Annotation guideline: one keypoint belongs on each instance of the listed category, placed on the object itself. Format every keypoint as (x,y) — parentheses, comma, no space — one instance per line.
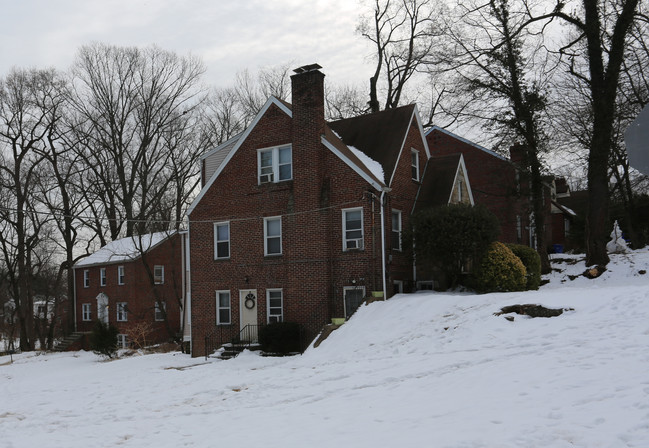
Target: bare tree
(27,115)
(504,74)
(403,33)
(595,54)
(129,105)
(252,92)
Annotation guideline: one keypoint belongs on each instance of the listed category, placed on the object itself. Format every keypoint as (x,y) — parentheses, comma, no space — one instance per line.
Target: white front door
(248,311)
(102,308)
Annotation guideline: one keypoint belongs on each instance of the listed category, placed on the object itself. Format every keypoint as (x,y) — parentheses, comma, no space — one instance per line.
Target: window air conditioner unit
(264,178)
(355,243)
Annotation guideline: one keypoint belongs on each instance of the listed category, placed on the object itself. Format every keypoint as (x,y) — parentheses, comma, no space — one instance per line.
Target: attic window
(275,164)
(414,154)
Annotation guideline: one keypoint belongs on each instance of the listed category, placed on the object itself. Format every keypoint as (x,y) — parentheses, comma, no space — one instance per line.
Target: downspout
(74,305)
(382,200)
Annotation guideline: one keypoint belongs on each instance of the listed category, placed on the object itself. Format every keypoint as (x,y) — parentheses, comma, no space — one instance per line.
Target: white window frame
(86,278)
(398,231)
(273,176)
(422,283)
(102,276)
(218,256)
(122,341)
(414,164)
(220,308)
(277,317)
(120,275)
(268,237)
(159,279)
(86,312)
(359,242)
(158,316)
(122,314)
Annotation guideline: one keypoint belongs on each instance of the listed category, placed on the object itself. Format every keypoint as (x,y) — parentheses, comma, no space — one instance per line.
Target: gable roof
(381,135)
(468,142)
(125,249)
(440,176)
(347,155)
(239,141)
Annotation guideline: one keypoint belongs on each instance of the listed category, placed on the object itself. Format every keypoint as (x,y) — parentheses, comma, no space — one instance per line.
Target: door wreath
(249,302)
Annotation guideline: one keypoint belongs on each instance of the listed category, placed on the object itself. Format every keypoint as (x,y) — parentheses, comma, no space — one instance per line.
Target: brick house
(134,283)
(299,219)
(495,181)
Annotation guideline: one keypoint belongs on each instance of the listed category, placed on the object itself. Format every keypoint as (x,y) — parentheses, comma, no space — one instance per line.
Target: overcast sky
(229,35)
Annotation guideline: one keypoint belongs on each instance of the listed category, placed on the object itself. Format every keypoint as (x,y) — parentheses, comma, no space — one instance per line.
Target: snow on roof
(128,249)
(372,165)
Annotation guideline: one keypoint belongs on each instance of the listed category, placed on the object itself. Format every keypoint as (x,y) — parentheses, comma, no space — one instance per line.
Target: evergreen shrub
(451,238)
(103,339)
(532,262)
(500,270)
(280,337)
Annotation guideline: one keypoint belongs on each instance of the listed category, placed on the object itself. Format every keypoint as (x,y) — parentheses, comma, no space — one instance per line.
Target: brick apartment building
(130,282)
(300,220)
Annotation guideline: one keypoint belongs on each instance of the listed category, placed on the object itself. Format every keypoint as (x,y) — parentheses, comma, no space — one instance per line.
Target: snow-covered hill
(419,370)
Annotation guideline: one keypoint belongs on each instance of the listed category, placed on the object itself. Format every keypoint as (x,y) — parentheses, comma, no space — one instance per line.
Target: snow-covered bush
(532,262)
(500,270)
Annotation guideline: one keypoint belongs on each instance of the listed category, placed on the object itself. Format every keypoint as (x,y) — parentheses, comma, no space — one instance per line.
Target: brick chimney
(307,89)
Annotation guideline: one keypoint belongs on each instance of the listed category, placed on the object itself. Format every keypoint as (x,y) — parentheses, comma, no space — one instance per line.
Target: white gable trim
(272,100)
(222,145)
(462,166)
(351,164)
(415,116)
(468,142)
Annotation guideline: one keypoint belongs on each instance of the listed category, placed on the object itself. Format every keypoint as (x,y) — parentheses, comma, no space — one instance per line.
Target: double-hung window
(86,312)
(273,236)
(223,308)
(102,276)
(122,341)
(86,278)
(160,308)
(221,240)
(120,275)
(121,312)
(275,305)
(158,274)
(414,154)
(353,228)
(275,164)
(396,230)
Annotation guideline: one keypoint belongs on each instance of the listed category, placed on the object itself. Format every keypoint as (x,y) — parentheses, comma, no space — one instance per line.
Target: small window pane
(223,232)
(274,246)
(273,227)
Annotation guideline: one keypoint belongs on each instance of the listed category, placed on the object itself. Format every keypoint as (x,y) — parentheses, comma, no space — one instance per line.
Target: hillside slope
(418,370)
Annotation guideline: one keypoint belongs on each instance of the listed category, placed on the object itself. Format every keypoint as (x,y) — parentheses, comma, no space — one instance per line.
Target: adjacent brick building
(133,282)
(299,219)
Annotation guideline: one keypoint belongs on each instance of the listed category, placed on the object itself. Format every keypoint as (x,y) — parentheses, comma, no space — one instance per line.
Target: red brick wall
(493,184)
(136,291)
(313,268)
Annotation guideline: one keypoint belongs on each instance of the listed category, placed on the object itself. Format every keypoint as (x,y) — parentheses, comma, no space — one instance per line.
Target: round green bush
(532,262)
(500,270)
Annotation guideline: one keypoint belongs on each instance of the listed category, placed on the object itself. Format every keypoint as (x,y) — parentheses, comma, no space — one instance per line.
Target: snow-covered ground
(420,370)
